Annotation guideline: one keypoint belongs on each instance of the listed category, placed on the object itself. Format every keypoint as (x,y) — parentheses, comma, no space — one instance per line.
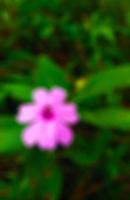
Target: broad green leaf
(78,151)
(81,158)
(10,136)
(108,118)
(104,82)
(48,73)
(94,149)
(18,91)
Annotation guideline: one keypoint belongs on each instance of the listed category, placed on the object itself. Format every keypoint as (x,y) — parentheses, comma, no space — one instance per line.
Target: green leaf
(2,95)
(108,118)
(91,153)
(48,74)
(18,91)
(10,135)
(46,173)
(52,183)
(112,170)
(19,55)
(104,82)
(114,160)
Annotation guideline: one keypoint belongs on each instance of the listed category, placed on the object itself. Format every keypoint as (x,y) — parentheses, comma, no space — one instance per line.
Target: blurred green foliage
(82,46)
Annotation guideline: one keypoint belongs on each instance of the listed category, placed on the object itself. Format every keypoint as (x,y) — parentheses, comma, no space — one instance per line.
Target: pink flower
(49,118)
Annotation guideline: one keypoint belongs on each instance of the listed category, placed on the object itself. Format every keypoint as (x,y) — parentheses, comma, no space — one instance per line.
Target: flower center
(48,113)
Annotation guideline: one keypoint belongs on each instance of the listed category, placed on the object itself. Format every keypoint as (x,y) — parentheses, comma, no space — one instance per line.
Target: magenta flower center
(48,113)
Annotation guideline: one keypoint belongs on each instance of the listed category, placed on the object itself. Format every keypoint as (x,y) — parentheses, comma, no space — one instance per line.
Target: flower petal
(58,95)
(26,113)
(67,113)
(30,134)
(40,96)
(65,135)
(48,138)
